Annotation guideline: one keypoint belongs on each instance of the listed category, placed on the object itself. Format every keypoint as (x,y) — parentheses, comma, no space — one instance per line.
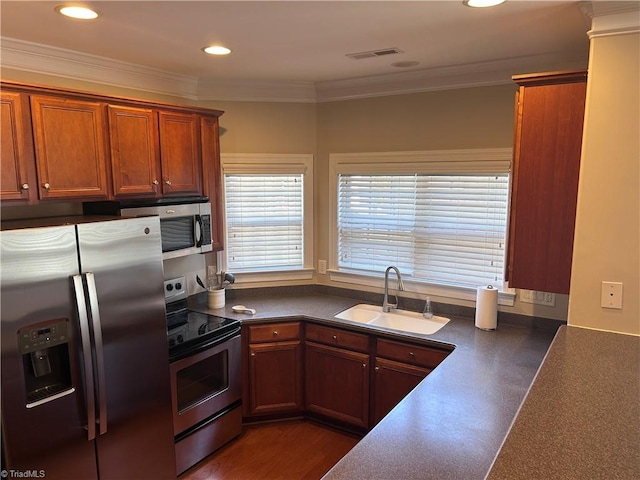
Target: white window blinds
(264,221)
(441,229)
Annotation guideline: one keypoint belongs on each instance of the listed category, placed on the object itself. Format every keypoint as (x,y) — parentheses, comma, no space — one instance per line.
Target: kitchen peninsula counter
(453,424)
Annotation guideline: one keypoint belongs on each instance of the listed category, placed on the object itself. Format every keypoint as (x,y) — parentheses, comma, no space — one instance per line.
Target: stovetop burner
(189,331)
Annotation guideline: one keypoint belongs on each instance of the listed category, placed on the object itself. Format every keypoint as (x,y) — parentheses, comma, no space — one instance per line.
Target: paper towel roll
(487,308)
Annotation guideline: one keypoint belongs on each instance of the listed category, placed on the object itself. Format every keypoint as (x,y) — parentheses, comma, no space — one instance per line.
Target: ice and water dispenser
(45,358)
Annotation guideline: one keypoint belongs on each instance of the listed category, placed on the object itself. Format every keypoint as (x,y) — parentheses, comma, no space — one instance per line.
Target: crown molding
(612,18)
(256,91)
(496,72)
(44,59)
(64,63)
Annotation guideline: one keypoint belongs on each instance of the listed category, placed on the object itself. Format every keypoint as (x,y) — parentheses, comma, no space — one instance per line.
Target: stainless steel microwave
(185,229)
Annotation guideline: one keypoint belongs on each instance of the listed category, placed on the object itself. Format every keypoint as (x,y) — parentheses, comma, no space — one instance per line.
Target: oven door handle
(222,339)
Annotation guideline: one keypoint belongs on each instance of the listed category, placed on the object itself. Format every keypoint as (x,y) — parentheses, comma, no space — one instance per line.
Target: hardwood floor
(288,450)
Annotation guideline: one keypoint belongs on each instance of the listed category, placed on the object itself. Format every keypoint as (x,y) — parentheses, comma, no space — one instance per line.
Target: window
(267,217)
(440,217)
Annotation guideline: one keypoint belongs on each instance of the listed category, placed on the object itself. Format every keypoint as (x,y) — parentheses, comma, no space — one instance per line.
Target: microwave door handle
(199,230)
(97,335)
(86,356)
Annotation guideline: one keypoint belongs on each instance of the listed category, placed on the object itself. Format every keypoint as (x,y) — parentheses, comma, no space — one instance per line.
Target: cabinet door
(71,148)
(212,177)
(275,376)
(180,154)
(337,383)
(17,161)
(135,151)
(392,382)
(545,183)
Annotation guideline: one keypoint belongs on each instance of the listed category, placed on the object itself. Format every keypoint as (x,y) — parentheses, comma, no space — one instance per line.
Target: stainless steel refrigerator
(85,369)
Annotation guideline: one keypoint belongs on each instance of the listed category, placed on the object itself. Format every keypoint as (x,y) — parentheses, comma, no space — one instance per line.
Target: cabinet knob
(46,186)
(335,337)
(377,369)
(411,354)
(25,186)
(156,182)
(275,333)
(364,365)
(168,182)
(253,354)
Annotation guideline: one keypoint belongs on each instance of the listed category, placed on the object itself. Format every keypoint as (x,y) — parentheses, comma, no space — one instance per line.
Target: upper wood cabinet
(93,147)
(135,151)
(71,148)
(212,176)
(180,153)
(548,139)
(17,161)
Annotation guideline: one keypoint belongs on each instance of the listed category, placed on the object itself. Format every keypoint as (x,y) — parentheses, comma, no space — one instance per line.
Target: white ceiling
(302,44)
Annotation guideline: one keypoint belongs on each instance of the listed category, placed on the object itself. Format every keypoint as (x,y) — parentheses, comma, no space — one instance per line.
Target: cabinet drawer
(273,332)
(338,337)
(408,353)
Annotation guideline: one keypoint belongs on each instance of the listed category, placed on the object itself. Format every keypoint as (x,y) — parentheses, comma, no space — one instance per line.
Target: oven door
(206,382)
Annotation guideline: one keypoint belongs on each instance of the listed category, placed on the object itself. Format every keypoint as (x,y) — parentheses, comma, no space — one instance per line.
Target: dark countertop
(453,424)
(581,418)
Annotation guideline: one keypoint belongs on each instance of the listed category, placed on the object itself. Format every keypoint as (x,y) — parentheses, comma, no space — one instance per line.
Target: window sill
(506,298)
(273,276)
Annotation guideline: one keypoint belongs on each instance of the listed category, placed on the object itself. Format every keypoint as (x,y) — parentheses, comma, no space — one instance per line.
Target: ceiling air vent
(374,53)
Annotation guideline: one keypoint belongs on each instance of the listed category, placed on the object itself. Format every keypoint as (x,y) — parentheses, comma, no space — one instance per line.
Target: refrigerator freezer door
(122,264)
(51,437)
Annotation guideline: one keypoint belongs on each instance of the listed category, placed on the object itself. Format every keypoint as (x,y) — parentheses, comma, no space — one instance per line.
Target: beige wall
(479,117)
(607,236)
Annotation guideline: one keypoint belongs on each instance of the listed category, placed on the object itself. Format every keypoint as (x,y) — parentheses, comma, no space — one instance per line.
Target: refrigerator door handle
(86,356)
(97,336)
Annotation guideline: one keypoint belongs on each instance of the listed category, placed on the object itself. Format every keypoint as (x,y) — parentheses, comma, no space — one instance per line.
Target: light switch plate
(611,295)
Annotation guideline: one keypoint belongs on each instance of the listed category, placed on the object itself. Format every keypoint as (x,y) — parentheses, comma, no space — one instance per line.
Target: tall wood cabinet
(18,181)
(547,148)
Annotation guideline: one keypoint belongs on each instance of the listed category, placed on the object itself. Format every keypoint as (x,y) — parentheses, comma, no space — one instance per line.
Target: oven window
(202,380)
(177,233)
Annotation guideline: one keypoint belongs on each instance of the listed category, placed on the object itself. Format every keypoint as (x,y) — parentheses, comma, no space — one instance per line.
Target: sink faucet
(386,306)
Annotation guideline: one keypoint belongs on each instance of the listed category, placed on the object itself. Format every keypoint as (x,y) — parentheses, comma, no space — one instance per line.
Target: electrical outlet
(322,267)
(611,295)
(538,298)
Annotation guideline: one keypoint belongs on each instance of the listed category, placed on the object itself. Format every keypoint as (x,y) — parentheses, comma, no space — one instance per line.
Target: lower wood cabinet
(393,381)
(274,369)
(329,375)
(337,383)
(399,368)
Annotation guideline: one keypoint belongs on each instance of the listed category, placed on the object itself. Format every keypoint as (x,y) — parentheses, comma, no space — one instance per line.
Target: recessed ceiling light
(482,3)
(216,50)
(405,64)
(74,11)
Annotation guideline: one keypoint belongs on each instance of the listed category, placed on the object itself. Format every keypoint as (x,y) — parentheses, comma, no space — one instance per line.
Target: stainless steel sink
(402,320)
